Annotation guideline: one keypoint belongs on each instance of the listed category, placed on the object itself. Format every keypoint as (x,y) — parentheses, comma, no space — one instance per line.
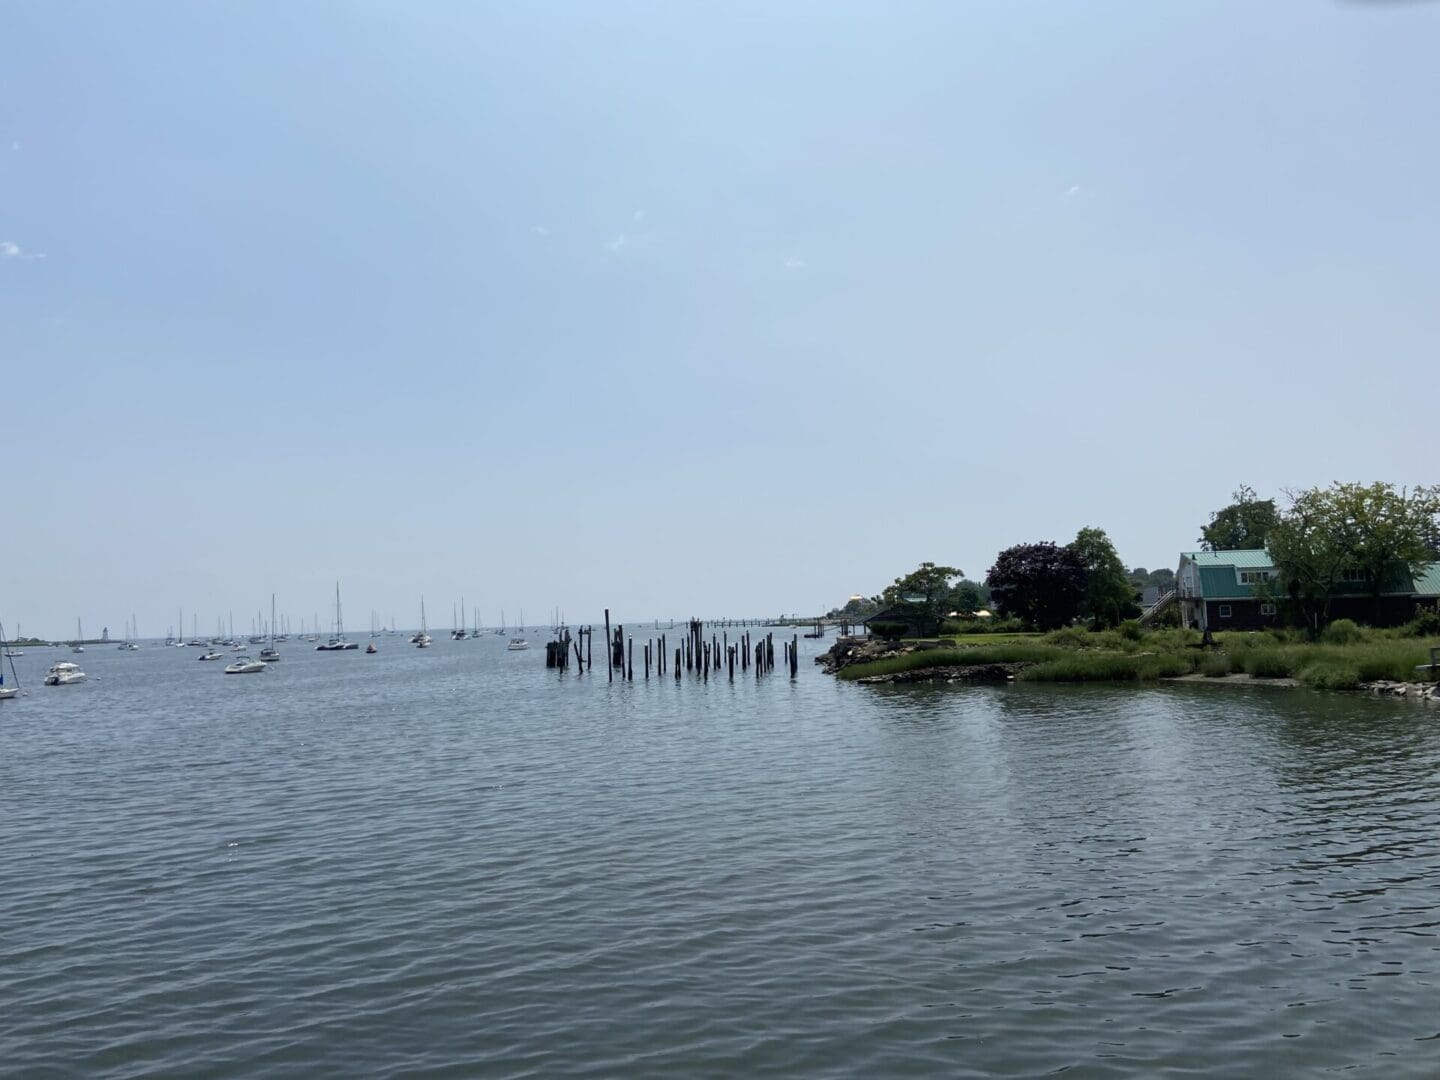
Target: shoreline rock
(967,673)
(859,650)
(1414,691)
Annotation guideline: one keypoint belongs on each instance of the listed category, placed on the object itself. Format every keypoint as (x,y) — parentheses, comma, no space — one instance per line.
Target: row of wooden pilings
(694,653)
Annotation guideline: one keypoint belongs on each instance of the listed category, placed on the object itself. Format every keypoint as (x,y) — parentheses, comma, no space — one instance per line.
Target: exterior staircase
(1167,598)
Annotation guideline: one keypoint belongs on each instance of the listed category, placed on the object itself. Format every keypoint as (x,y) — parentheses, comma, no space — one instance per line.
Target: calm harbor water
(454,862)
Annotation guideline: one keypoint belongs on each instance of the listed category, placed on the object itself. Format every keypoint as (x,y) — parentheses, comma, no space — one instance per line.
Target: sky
(685,309)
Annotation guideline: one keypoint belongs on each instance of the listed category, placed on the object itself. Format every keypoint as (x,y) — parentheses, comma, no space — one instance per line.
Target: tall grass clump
(1342,632)
(1070,637)
(1109,667)
(1173,639)
(1392,660)
(1215,665)
(1078,637)
(1267,663)
(1331,675)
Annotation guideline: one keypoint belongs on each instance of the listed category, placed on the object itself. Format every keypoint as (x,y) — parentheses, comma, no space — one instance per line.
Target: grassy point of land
(1346,657)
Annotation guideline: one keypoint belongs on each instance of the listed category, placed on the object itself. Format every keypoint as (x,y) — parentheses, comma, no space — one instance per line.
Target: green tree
(1042,584)
(967,598)
(1244,524)
(929,584)
(1328,534)
(1109,596)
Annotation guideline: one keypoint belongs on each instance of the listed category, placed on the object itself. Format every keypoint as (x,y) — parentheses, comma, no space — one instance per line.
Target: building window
(1353,577)
(1267,609)
(1254,577)
(1224,611)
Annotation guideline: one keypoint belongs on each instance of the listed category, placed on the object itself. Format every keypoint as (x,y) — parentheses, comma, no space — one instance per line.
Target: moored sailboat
(7,692)
(270,654)
(338,641)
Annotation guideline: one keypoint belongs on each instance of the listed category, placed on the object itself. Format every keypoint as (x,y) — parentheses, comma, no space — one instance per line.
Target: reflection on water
(455,860)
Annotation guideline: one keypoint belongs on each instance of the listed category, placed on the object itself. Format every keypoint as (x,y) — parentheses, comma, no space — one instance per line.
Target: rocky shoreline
(1428,692)
(856,650)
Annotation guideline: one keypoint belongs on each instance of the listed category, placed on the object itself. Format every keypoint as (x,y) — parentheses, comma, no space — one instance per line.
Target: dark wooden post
(609,665)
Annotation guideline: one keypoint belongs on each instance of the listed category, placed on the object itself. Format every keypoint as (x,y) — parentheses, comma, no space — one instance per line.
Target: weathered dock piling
(698,653)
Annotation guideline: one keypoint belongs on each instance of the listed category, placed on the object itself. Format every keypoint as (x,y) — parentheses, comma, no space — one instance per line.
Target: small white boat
(7,692)
(63,673)
(211,655)
(517,643)
(243,665)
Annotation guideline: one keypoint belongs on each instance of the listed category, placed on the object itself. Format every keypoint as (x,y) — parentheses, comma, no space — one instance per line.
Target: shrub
(956,627)
(1071,637)
(1426,622)
(1342,632)
(1131,630)
(1331,675)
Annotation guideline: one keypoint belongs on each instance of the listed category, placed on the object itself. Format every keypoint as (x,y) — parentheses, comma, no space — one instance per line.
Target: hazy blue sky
(685,308)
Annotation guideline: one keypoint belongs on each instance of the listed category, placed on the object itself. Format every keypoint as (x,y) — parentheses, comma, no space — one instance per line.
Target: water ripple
(455,863)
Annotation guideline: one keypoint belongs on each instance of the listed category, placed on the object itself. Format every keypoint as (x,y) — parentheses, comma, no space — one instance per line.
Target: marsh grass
(1110,667)
(1354,655)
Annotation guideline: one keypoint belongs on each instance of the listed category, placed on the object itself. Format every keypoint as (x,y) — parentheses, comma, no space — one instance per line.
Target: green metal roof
(1249,559)
(1220,583)
(1427,579)
(1219,579)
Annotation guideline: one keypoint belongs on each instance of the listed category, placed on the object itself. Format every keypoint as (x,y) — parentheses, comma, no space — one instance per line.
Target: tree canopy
(1109,596)
(1041,583)
(1244,524)
(931,582)
(1334,534)
(967,598)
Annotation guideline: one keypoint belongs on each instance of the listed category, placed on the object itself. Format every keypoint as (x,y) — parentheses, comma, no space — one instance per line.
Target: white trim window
(1254,577)
(1267,609)
(1224,611)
